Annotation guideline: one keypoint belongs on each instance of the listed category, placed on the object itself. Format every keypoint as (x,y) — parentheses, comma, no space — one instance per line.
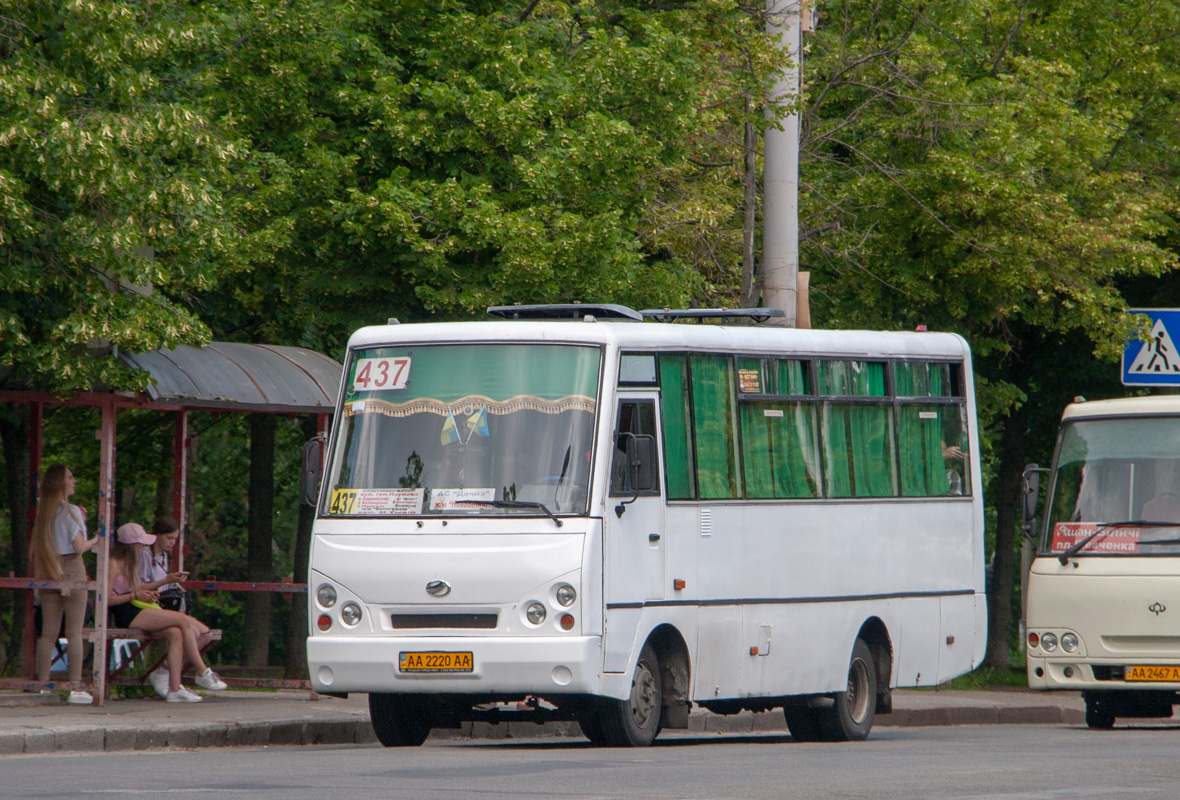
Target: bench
(142,639)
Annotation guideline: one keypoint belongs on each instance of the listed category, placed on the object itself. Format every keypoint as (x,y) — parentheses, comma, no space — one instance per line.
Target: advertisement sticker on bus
(1113,540)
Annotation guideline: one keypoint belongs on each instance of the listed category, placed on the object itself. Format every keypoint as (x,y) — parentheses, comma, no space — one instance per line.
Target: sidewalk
(44,724)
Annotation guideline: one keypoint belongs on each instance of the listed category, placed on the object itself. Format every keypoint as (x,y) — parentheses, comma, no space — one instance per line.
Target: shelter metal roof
(244,377)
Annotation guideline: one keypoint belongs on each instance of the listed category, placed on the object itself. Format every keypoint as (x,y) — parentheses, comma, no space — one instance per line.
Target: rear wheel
(634,722)
(399,720)
(850,716)
(802,721)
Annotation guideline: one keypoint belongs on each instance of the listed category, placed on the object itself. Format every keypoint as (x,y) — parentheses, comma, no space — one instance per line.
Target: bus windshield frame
(465,429)
(1115,488)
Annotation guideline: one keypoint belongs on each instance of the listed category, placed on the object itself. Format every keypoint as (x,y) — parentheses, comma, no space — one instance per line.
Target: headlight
(566,595)
(351,613)
(1049,642)
(1069,642)
(536,613)
(326,595)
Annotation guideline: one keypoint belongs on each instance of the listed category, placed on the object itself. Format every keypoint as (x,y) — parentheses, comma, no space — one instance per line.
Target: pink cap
(133,533)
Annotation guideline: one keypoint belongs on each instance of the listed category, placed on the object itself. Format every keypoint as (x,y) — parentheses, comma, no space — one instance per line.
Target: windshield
(1117,481)
(486,429)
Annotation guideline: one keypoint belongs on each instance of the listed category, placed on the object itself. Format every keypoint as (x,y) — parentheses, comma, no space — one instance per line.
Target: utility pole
(780,176)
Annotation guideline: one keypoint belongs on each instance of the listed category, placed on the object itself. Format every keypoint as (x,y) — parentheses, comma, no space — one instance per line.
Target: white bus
(1104,587)
(609,520)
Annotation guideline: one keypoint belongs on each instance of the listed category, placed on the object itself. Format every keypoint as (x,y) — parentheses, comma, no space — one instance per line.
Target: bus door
(634,526)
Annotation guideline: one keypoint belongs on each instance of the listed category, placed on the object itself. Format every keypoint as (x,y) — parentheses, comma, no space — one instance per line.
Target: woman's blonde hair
(128,560)
(46,559)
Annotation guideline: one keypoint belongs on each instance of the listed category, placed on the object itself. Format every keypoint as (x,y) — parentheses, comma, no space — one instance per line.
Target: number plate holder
(430,661)
(1148,673)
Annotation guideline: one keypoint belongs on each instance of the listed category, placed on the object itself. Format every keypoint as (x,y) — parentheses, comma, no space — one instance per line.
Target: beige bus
(1103,610)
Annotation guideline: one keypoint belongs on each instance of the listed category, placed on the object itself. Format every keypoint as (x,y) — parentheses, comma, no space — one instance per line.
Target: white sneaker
(80,699)
(209,680)
(183,695)
(160,680)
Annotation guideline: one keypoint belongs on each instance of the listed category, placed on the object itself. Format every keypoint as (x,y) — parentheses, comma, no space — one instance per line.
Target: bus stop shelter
(220,377)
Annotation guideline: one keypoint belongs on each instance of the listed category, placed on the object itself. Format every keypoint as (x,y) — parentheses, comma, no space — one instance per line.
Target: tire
(635,722)
(1099,711)
(591,725)
(802,721)
(850,717)
(398,720)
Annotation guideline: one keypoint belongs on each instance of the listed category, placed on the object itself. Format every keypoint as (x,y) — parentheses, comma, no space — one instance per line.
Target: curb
(184,737)
(83,739)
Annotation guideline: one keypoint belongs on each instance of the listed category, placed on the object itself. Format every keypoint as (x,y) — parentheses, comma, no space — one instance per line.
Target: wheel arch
(675,674)
(876,635)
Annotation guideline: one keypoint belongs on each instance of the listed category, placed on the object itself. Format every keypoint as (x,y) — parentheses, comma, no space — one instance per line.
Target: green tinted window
(678,450)
(713,424)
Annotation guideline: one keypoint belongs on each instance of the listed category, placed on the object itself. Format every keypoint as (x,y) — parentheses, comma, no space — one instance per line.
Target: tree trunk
(1013,454)
(295,666)
(14,434)
(260,562)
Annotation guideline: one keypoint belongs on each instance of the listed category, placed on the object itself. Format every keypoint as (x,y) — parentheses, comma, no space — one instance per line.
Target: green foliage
(431,159)
(109,180)
(990,154)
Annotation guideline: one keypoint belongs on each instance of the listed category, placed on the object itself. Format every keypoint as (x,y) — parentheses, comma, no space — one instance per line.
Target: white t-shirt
(153,567)
(67,524)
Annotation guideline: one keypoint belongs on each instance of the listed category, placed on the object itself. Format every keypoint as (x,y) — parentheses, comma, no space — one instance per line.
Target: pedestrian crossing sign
(1155,362)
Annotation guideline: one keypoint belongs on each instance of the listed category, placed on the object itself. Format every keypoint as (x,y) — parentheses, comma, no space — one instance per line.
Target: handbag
(174,600)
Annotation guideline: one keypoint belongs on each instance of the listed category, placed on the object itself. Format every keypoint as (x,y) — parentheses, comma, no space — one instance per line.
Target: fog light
(567,622)
(1049,642)
(1068,672)
(326,595)
(536,613)
(351,613)
(1069,642)
(324,622)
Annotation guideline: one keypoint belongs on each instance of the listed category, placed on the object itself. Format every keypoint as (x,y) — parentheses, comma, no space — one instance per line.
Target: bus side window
(635,418)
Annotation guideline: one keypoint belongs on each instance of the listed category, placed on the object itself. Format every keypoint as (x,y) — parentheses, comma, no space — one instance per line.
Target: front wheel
(850,717)
(1099,711)
(399,720)
(634,722)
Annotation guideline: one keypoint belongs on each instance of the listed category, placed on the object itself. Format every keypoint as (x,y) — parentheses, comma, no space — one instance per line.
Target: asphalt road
(1004,762)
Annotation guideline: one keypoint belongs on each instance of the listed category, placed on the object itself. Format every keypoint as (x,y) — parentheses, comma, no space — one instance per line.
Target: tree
(112,183)
(996,170)
(419,159)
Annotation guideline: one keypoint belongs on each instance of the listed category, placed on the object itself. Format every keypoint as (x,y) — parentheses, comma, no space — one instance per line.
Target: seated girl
(135,607)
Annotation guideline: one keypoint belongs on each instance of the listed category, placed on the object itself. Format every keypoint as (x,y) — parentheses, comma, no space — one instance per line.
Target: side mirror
(313,470)
(641,455)
(1029,494)
(641,467)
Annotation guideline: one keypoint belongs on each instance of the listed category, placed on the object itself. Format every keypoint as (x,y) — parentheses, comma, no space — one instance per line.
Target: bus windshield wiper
(515,504)
(1106,526)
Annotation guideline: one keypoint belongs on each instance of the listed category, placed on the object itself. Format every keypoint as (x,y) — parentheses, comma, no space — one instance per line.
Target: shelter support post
(180,443)
(36,421)
(106,523)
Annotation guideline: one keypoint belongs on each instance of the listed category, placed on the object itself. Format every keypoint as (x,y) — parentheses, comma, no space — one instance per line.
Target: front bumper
(514,665)
(1088,674)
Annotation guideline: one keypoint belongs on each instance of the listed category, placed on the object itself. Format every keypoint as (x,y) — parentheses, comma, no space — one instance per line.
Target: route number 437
(378,374)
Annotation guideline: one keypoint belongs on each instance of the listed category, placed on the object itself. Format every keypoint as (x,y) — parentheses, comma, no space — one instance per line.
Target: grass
(989,678)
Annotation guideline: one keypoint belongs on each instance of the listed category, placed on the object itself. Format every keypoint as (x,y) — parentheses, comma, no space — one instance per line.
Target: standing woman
(59,540)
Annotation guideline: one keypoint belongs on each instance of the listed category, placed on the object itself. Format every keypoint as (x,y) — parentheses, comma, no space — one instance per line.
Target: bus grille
(404,621)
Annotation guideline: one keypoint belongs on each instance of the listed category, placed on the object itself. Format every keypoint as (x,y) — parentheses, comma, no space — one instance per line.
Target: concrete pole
(780,181)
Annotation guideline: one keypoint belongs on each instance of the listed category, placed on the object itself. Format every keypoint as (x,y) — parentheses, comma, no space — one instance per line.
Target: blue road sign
(1155,362)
